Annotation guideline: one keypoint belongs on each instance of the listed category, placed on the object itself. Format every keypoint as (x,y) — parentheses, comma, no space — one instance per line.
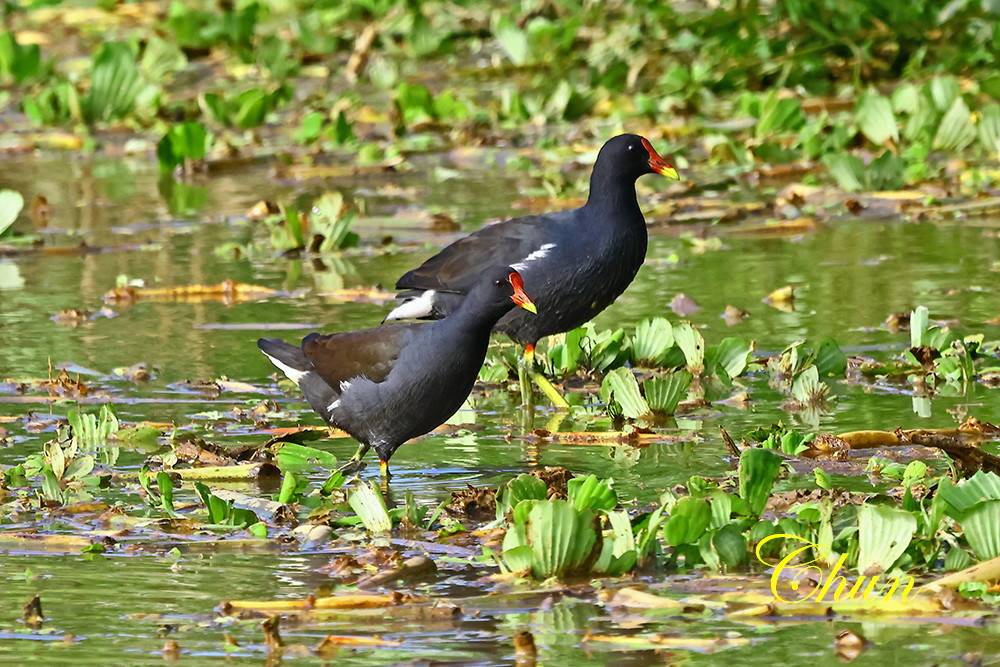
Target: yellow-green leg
(540,380)
(354,464)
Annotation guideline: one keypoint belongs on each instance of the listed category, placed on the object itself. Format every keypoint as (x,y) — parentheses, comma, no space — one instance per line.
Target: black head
(630,156)
(499,289)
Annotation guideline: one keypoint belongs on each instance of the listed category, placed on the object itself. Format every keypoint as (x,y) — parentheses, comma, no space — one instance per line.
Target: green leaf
(663,394)
(166,486)
(758,470)
(823,479)
(981,527)
(988,129)
(886,172)
(618,552)
(653,338)
(367,502)
(114,84)
(688,521)
(79,467)
(692,344)
(333,222)
(512,39)
(883,535)
(560,537)
(957,559)
(523,487)
(310,128)
(779,115)
(189,140)
(621,387)
(875,118)
(829,359)
(252,107)
(944,90)
(731,356)
(919,319)
(296,457)
(11,203)
(847,169)
(807,388)
(983,486)
(730,544)
(565,356)
(607,348)
(956,130)
(288,487)
(906,98)
(591,493)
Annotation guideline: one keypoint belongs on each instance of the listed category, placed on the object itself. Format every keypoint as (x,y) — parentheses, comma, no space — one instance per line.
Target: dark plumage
(391,383)
(577,262)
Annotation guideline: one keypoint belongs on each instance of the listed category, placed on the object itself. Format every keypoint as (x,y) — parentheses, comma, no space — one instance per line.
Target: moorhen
(577,261)
(391,383)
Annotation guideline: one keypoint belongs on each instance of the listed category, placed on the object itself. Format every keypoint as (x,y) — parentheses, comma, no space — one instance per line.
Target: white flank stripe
(536,255)
(294,374)
(413,308)
(333,406)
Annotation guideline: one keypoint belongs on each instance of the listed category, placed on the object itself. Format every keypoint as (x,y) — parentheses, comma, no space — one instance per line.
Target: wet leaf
(988,128)
(620,386)
(512,39)
(956,130)
(688,521)
(228,291)
(782,298)
(730,357)
(758,470)
(559,537)
(367,502)
(652,339)
(590,493)
(313,604)
(981,527)
(875,118)
(847,169)
(245,471)
(884,533)
(11,203)
(114,84)
(691,342)
(663,394)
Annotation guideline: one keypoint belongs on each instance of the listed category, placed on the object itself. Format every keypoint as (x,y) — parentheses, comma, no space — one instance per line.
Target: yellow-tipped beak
(668,171)
(658,164)
(527,305)
(520,297)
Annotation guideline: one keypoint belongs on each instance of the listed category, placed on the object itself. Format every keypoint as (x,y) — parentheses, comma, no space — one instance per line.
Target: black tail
(289,356)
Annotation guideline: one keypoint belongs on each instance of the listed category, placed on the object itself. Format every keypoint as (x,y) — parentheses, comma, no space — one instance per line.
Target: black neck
(613,194)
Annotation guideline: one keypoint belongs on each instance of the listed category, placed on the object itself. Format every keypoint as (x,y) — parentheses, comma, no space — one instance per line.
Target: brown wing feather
(370,352)
(459,266)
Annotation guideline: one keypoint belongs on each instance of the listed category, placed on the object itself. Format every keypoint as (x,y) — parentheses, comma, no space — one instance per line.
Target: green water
(122,607)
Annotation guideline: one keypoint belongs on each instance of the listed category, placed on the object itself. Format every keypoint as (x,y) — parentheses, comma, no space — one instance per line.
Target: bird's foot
(351,467)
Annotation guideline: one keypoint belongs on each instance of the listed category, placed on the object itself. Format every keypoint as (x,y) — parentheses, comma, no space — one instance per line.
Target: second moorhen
(577,261)
(394,382)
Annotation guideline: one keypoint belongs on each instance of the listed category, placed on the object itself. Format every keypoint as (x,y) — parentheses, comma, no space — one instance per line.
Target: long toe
(352,466)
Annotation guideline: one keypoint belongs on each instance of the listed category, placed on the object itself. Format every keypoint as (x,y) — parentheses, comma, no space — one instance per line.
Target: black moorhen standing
(391,383)
(576,261)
